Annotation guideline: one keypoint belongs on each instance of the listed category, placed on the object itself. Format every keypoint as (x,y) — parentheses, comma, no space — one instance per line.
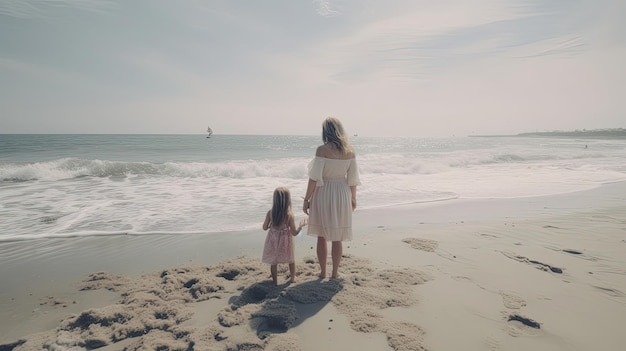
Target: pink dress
(278,246)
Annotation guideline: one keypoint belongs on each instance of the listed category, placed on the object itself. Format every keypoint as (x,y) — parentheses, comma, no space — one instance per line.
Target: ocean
(68,186)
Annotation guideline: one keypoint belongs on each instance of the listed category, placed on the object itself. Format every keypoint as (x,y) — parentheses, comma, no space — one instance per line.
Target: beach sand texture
(520,274)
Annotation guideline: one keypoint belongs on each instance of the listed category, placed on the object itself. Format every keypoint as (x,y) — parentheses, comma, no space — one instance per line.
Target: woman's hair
(333,133)
(281,207)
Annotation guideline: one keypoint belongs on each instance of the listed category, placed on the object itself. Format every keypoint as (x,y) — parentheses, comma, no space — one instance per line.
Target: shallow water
(84,185)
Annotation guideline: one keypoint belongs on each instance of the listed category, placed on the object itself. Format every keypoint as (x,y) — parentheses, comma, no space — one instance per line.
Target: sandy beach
(537,273)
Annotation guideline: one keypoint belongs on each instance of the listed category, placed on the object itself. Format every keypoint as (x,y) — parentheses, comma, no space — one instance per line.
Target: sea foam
(155,185)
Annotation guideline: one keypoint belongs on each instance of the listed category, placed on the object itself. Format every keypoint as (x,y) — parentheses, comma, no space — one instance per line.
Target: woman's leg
(292,272)
(274,271)
(322,254)
(337,251)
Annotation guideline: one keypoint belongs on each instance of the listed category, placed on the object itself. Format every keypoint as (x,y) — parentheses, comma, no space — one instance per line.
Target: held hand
(303,222)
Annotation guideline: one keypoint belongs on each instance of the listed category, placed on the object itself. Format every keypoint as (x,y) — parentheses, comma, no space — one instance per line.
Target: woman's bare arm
(353,200)
(310,189)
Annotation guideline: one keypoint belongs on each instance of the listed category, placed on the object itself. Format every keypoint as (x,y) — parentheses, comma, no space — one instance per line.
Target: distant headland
(612,133)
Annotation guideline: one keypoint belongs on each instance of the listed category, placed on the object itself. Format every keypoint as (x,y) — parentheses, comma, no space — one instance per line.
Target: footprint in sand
(422,244)
(539,265)
(461,278)
(611,292)
(512,301)
(575,253)
(517,324)
(579,254)
(493,343)
(520,325)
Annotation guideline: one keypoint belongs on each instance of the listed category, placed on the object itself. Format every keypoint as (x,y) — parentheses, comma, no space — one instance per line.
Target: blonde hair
(333,133)
(281,206)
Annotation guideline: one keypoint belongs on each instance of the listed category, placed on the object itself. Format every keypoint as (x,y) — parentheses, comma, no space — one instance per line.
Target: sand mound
(257,315)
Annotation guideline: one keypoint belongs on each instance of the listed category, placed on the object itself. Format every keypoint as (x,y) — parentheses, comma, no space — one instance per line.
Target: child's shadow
(286,306)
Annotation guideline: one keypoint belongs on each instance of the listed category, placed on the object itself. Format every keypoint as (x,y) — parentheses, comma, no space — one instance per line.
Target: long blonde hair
(281,206)
(333,133)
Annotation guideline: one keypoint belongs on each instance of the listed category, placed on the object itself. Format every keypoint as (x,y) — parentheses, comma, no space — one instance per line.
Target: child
(279,242)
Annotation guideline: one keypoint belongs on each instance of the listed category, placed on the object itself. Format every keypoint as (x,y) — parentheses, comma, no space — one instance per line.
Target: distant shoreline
(617,133)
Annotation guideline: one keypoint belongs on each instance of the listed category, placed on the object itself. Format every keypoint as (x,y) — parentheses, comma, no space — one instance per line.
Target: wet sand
(541,273)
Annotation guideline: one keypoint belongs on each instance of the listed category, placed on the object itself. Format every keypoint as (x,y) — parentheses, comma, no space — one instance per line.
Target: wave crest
(68,168)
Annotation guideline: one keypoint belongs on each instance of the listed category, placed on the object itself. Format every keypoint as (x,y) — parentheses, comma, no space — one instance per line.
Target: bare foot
(322,275)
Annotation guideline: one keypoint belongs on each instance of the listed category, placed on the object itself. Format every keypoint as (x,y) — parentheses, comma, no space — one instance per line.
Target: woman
(331,193)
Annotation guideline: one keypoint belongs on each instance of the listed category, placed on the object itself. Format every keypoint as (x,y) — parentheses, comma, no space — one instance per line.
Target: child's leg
(292,272)
(274,271)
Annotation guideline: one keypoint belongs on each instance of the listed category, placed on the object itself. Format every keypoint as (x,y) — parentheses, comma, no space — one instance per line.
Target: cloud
(418,42)
(325,8)
(392,68)
(401,42)
(41,9)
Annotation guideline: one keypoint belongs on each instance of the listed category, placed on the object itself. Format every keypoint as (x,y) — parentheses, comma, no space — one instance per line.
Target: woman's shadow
(285,306)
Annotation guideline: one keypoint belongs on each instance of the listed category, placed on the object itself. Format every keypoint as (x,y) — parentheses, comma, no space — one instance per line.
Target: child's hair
(281,207)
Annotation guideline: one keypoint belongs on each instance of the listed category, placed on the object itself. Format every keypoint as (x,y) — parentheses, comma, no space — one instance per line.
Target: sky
(391,68)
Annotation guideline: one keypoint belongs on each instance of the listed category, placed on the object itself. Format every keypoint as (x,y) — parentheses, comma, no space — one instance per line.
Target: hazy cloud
(41,9)
(326,9)
(398,67)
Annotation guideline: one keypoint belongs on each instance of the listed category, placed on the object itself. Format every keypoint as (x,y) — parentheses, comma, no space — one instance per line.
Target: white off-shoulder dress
(330,211)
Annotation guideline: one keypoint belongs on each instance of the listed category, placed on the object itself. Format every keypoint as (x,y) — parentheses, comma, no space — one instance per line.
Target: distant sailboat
(210,131)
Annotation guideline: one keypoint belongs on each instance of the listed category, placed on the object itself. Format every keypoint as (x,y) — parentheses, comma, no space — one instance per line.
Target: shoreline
(606,133)
(483,261)
(453,202)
